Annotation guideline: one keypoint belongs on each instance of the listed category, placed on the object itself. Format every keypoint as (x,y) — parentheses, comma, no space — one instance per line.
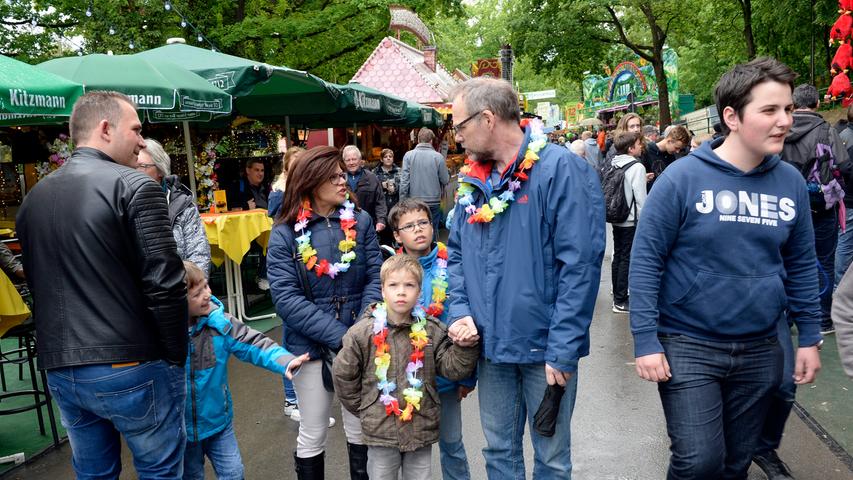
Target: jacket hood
(707,155)
(622,160)
(204,321)
(804,122)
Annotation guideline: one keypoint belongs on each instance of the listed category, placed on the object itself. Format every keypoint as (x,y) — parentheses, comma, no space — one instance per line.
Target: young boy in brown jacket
(385,374)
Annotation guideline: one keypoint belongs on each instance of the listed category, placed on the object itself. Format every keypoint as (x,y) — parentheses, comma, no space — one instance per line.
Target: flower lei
(439,283)
(419,339)
(496,205)
(346,246)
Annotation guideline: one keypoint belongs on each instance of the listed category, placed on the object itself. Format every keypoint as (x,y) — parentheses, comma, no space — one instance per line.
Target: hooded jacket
(721,254)
(429,263)
(356,382)
(337,302)
(635,188)
(213,339)
(530,277)
(187,226)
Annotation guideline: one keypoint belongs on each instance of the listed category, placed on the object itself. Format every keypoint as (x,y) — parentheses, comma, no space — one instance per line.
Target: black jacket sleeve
(162,271)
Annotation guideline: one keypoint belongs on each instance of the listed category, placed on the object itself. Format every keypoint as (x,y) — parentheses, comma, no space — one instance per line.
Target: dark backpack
(823,177)
(613,184)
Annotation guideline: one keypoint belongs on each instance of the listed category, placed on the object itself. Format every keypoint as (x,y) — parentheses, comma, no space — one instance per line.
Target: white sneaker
(331,422)
(289,408)
(263,284)
(295,416)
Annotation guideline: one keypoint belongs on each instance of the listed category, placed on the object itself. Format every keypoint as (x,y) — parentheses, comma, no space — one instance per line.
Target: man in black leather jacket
(109,297)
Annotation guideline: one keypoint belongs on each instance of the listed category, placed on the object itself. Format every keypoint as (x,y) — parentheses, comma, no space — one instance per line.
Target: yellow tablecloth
(231,234)
(13,310)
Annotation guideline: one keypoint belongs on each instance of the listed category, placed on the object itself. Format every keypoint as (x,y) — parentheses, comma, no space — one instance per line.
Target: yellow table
(230,235)
(13,310)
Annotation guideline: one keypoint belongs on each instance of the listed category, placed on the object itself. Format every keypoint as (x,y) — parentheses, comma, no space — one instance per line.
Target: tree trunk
(663,90)
(746,6)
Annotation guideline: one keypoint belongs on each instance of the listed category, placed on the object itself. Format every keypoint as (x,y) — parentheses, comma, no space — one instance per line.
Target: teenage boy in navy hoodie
(725,247)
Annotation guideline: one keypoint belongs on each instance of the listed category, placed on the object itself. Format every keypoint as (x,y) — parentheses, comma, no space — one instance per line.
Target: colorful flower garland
(419,340)
(496,205)
(60,150)
(439,283)
(205,174)
(346,246)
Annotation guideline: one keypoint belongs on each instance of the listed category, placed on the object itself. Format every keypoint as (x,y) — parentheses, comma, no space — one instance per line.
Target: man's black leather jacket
(107,283)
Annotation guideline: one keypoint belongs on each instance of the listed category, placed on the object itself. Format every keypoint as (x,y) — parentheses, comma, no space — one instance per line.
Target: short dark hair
(734,89)
(805,96)
(625,141)
(253,161)
(404,206)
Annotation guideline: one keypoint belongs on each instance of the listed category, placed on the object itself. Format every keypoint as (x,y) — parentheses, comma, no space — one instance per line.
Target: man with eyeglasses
(425,176)
(524,265)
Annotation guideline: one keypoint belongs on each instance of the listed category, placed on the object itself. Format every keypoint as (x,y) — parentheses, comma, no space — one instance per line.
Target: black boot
(357,461)
(311,468)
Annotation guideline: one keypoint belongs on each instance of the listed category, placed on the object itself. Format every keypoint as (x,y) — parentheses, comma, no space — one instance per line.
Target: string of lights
(167,5)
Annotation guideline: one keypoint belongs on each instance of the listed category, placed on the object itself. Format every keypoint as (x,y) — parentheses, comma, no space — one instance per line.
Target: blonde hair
(281,181)
(195,275)
(402,262)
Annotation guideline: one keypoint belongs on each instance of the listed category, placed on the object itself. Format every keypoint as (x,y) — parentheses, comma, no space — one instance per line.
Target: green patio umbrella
(152,84)
(417,115)
(259,89)
(26,90)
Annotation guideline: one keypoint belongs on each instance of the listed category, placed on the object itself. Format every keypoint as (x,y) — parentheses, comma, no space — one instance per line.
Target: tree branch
(623,37)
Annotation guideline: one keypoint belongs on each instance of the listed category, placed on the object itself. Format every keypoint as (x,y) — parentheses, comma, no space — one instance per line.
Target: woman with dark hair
(389,178)
(323,266)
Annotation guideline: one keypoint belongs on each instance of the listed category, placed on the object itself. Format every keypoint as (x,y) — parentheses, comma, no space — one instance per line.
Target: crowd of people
(718,250)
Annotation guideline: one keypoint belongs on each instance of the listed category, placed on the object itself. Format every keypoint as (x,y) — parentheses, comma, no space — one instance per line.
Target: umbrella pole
(287,130)
(190,162)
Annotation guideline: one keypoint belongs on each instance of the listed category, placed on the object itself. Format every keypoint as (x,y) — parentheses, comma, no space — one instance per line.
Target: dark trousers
(782,401)
(716,402)
(825,241)
(623,239)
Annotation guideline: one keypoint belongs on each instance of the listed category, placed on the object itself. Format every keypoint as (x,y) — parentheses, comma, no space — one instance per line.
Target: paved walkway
(618,426)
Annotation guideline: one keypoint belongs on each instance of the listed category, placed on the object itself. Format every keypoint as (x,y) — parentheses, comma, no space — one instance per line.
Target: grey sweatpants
(384,463)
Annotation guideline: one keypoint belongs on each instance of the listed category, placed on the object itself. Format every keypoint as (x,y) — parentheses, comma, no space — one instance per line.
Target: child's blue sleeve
(252,346)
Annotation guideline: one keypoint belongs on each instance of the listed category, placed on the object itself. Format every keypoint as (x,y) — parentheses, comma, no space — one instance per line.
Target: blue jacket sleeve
(252,346)
(274,203)
(457,296)
(656,232)
(574,206)
(373,263)
(801,284)
(290,303)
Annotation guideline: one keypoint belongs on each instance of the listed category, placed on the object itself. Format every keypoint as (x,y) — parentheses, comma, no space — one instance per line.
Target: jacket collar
(429,259)
(424,146)
(93,152)
(206,320)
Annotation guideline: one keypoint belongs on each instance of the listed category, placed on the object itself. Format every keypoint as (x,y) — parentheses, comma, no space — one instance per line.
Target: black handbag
(327,355)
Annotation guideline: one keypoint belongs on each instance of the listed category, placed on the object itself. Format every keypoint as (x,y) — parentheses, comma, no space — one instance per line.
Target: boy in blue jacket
(214,336)
(411,222)
(724,251)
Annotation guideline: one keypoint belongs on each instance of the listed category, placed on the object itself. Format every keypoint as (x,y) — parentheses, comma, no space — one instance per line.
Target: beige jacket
(356,382)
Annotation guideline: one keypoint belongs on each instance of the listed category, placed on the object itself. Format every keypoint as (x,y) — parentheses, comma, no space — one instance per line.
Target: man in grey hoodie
(425,175)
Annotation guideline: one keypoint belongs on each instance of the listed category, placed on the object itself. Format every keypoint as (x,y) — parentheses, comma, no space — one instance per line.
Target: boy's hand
(294,365)
(653,367)
(463,332)
(807,365)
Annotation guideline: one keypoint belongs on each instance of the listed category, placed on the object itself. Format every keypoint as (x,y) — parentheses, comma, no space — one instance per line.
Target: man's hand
(552,376)
(807,365)
(463,391)
(252,204)
(463,332)
(380,227)
(653,367)
(294,365)
(650,176)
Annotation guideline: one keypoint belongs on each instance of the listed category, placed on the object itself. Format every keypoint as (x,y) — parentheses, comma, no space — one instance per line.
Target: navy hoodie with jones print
(721,254)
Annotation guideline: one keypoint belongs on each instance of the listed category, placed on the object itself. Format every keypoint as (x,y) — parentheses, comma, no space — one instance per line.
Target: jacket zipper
(192,393)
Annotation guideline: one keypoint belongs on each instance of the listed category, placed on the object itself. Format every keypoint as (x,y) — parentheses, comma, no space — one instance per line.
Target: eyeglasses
(338,178)
(410,227)
(143,166)
(458,127)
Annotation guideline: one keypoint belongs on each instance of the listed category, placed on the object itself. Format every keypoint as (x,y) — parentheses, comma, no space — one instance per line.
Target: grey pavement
(618,426)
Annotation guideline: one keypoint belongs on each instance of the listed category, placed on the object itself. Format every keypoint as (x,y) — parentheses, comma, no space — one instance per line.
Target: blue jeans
(715,403)
(454,462)
(844,250)
(826,239)
(223,452)
(509,395)
(143,403)
(289,391)
(783,399)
